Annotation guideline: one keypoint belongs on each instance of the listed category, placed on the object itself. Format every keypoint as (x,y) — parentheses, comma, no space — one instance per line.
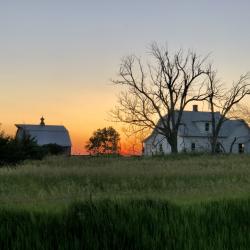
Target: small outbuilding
(46,134)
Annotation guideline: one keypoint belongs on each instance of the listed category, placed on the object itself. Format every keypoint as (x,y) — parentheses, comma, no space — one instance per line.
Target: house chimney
(195,108)
(42,121)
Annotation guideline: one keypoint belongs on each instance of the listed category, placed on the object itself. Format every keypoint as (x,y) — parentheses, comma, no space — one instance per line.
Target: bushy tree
(104,141)
(14,151)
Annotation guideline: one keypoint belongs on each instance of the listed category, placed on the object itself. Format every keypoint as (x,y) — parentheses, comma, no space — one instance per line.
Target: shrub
(14,151)
(53,149)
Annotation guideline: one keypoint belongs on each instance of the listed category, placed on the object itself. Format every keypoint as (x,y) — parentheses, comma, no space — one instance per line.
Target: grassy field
(175,202)
(57,181)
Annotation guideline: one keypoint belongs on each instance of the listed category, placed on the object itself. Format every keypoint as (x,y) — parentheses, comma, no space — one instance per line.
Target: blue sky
(92,36)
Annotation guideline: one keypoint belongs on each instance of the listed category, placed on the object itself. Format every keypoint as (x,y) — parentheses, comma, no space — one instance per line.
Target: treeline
(13,151)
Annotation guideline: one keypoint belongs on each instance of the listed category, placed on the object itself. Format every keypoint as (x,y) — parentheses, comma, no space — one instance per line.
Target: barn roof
(47,134)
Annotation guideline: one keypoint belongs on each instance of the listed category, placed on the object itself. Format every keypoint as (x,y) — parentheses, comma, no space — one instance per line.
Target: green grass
(175,202)
(182,179)
(134,224)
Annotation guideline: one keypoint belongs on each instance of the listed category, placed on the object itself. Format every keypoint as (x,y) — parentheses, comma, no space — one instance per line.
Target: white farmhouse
(194,133)
(45,134)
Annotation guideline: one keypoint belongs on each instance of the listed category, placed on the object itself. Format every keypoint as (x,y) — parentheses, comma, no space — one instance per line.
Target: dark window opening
(160,149)
(241,148)
(193,146)
(206,126)
(218,148)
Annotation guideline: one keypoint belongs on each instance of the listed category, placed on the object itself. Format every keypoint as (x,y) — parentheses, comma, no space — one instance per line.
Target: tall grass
(184,179)
(183,202)
(134,224)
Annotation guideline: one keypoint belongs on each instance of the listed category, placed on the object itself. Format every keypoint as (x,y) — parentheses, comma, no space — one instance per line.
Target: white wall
(152,145)
(242,136)
(201,127)
(202,144)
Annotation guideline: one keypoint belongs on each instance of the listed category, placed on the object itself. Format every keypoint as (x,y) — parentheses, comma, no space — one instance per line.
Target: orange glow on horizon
(128,146)
(80,122)
(79,140)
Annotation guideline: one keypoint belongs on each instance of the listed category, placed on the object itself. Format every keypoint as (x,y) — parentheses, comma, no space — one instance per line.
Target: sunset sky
(57,57)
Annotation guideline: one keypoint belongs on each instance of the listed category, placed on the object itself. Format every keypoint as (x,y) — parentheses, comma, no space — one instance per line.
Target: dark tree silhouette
(104,141)
(241,111)
(156,91)
(224,100)
(14,151)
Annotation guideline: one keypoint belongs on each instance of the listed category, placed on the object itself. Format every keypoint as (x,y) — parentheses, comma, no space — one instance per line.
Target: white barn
(194,133)
(46,134)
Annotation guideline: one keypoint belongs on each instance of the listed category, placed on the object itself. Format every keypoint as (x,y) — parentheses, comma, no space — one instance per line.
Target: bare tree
(224,101)
(241,111)
(155,95)
(133,144)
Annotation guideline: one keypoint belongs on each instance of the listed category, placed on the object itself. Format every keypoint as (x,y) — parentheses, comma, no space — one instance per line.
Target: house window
(206,126)
(241,148)
(148,149)
(160,149)
(193,146)
(218,148)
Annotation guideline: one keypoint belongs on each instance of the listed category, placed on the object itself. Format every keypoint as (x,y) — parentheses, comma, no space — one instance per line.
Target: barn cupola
(42,121)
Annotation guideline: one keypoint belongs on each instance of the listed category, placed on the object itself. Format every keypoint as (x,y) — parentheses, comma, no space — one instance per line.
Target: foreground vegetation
(176,202)
(58,181)
(138,224)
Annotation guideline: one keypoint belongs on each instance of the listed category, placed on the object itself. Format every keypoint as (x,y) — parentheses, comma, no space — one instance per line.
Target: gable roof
(198,116)
(190,119)
(47,134)
(189,124)
(230,125)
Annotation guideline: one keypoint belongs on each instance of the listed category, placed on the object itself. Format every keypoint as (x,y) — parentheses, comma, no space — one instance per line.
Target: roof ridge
(38,125)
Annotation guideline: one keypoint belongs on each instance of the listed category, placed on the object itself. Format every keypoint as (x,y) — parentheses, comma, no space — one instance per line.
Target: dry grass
(57,181)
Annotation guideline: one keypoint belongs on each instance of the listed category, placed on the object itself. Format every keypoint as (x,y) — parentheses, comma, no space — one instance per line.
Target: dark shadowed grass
(134,224)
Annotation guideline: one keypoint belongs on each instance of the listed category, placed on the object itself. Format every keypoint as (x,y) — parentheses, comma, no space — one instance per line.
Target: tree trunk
(232,144)
(173,143)
(213,144)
